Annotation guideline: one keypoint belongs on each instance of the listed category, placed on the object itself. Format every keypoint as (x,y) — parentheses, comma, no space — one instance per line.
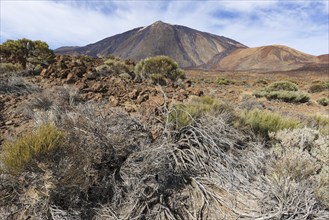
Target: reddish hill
(266,58)
(324,58)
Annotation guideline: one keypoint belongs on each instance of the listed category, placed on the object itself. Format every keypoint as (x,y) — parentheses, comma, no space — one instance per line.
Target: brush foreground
(88,138)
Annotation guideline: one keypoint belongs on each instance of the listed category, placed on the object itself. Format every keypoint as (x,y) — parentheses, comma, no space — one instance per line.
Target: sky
(300,24)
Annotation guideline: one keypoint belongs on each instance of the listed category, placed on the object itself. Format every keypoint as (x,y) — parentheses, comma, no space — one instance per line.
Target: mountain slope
(266,58)
(189,47)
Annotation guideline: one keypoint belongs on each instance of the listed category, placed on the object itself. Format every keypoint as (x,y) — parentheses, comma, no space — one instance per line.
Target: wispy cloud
(301,24)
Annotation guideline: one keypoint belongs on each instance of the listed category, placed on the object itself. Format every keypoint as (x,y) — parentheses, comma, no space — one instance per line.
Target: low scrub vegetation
(311,168)
(224,81)
(264,122)
(19,153)
(320,123)
(324,101)
(285,91)
(319,86)
(115,66)
(159,68)
(184,114)
(195,159)
(17,85)
(10,67)
(260,82)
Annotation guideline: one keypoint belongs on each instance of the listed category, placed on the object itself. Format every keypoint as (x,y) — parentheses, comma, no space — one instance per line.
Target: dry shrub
(319,122)
(17,85)
(301,161)
(42,106)
(112,168)
(191,173)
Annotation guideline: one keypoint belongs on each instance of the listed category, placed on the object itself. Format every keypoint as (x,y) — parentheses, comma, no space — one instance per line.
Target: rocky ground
(123,161)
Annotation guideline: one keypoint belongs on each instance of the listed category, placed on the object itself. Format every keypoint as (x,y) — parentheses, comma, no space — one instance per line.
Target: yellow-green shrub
(263,122)
(18,153)
(324,101)
(319,86)
(162,65)
(223,81)
(10,67)
(285,91)
(184,114)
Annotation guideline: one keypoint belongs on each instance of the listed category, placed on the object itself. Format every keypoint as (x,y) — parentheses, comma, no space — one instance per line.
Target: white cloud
(254,23)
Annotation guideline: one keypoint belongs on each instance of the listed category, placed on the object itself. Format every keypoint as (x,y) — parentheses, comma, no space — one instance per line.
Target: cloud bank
(303,25)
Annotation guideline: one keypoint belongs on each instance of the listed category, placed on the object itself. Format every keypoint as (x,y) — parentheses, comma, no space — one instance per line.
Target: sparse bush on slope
(115,66)
(159,69)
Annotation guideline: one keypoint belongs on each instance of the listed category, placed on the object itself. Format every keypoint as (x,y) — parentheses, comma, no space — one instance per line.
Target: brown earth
(245,83)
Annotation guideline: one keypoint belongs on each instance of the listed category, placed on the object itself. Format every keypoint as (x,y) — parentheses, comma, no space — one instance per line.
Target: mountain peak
(189,47)
(159,23)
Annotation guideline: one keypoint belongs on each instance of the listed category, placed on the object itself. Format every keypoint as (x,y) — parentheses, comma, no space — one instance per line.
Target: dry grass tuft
(17,154)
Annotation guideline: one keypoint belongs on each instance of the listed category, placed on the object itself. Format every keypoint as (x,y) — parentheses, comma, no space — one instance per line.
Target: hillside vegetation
(89,138)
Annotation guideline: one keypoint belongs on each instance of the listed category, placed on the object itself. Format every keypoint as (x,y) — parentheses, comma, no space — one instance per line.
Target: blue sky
(301,24)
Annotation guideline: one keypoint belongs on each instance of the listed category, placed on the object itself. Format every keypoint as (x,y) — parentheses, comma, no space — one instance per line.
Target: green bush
(263,122)
(288,96)
(114,66)
(26,52)
(282,86)
(161,65)
(17,154)
(184,114)
(319,87)
(285,91)
(223,81)
(324,101)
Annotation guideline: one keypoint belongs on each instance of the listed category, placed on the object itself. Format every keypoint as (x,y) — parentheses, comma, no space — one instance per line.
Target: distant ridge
(195,49)
(189,47)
